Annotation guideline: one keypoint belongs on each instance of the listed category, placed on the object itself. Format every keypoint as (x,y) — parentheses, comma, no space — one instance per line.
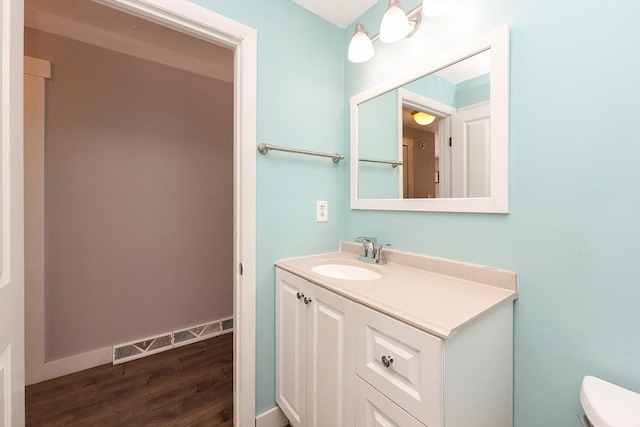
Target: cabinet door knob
(307,300)
(387,361)
(300,295)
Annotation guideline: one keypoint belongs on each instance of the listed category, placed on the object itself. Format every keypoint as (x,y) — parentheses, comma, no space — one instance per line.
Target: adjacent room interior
(129,191)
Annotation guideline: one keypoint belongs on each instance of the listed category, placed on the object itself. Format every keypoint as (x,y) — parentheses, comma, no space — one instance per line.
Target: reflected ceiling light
(434,8)
(422,118)
(360,47)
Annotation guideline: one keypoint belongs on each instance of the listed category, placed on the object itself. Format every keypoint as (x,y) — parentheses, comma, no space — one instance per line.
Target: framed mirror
(436,137)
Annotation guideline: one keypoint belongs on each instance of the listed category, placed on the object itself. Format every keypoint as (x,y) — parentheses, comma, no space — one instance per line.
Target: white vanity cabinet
(313,355)
(412,348)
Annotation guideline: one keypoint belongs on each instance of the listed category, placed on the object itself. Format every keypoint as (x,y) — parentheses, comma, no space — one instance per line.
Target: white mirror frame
(498,200)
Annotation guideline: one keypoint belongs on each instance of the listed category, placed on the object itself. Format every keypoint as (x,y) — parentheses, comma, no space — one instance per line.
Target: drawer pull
(387,361)
(300,295)
(307,300)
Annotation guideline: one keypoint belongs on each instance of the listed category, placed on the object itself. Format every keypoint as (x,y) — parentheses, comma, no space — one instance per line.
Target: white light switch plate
(322,211)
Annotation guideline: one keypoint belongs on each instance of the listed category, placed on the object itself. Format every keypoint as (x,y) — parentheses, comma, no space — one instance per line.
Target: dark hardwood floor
(186,386)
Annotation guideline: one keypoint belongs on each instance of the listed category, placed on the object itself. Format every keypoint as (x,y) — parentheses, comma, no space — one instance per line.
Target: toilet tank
(608,405)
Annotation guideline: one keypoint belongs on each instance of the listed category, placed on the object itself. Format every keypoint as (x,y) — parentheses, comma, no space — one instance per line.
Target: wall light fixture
(360,47)
(396,25)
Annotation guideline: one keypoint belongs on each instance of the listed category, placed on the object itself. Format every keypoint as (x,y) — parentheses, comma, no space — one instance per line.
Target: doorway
(204,24)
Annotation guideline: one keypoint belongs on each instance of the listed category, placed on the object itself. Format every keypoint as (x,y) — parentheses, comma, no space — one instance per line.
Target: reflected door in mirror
(470,152)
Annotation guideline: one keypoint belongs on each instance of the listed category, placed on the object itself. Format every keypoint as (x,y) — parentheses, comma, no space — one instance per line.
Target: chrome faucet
(371,252)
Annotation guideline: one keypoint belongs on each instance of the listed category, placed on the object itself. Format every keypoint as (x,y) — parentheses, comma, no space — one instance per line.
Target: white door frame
(444,112)
(205,24)
(36,71)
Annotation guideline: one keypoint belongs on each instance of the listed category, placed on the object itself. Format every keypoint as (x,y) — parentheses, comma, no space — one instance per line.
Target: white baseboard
(79,362)
(102,356)
(272,418)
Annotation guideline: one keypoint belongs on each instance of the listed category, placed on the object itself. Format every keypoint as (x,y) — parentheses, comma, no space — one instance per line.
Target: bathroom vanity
(427,343)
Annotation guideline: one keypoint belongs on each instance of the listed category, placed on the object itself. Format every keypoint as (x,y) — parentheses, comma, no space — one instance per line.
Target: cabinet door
(329,360)
(291,324)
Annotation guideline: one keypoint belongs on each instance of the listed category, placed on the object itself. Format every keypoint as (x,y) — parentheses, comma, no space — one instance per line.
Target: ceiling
(109,28)
(339,12)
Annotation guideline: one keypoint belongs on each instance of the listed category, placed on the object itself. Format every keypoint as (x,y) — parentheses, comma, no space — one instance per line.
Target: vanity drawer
(402,362)
(373,409)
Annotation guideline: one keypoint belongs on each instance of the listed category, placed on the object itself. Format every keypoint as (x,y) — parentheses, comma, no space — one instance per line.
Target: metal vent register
(152,345)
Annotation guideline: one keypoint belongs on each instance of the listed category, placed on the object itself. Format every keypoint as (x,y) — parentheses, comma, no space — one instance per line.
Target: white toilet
(608,405)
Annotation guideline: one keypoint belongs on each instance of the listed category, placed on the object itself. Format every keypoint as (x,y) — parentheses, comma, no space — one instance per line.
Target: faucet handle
(366,240)
(379,257)
(368,251)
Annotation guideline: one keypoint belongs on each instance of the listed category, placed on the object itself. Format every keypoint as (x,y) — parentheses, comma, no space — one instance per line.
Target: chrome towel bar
(393,163)
(265,148)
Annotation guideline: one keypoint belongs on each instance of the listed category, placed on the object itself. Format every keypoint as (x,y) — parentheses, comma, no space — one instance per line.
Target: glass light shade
(434,8)
(395,25)
(422,118)
(360,46)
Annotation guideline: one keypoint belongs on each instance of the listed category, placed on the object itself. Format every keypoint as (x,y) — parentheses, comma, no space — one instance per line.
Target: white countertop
(431,301)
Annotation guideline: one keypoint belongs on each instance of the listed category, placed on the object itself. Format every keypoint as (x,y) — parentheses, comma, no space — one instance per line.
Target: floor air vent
(142,348)
(227,324)
(197,333)
(152,345)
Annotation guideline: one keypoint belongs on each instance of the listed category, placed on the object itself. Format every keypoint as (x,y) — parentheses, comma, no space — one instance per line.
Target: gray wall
(138,197)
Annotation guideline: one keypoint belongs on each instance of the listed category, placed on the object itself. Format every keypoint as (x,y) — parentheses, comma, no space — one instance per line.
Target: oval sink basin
(346,272)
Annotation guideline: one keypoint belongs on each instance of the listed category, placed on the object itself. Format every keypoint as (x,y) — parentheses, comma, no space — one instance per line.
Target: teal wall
(300,104)
(573,234)
(434,87)
(473,91)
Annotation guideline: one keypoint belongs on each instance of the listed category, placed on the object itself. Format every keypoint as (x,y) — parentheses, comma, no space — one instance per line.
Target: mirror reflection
(429,138)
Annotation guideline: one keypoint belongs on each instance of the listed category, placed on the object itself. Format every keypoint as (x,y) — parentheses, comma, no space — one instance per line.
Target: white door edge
(11,215)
